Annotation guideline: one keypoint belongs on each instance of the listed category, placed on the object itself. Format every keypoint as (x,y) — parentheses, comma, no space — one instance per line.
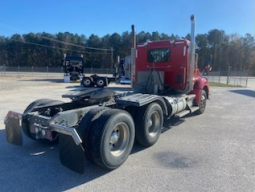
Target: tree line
(43,49)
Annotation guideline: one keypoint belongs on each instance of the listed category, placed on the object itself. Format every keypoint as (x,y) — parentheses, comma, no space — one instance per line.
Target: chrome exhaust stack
(133,55)
(133,36)
(191,54)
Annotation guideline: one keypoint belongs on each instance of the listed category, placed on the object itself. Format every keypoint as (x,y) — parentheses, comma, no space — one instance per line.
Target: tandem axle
(100,124)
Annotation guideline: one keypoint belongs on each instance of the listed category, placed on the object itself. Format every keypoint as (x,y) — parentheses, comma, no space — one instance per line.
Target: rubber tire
(99,138)
(86,125)
(86,82)
(144,113)
(100,82)
(30,108)
(202,103)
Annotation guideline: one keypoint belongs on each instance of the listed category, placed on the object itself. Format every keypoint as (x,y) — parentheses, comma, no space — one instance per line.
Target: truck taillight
(48,134)
(32,128)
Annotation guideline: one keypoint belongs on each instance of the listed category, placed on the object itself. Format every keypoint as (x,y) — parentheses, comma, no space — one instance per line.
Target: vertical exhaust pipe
(133,55)
(133,36)
(191,54)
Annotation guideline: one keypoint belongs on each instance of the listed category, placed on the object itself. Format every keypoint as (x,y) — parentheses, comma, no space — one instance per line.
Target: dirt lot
(214,151)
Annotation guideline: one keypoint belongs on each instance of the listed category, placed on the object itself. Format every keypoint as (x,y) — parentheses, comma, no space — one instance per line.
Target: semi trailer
(122,75)
(101,125)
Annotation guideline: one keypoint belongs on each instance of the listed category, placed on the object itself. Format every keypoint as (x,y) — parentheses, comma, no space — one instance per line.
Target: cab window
(158,55)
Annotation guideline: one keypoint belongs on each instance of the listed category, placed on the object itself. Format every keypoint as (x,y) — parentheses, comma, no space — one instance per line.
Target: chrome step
(185,112)
(182,113)
(194,108)
(191,97)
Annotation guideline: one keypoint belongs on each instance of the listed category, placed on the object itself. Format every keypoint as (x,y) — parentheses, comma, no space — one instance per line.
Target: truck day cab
(101,125)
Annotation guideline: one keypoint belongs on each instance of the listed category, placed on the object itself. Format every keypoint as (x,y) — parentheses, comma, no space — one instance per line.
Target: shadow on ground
(44,80)
(39,164)
(36,167)
(245,92)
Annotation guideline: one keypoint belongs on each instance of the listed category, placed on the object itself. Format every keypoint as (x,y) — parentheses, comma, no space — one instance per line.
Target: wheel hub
(203,99)
(149,123)
(153,123)
(87,82)
(100,82)
(114,138)
(118,140)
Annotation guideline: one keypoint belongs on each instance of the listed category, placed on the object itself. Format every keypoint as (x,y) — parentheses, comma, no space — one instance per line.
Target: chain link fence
(48,71)
(236,78)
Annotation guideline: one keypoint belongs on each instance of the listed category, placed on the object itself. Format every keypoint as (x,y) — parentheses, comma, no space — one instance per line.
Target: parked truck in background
(73,66)
(124,70)
(122,75)
(102,125)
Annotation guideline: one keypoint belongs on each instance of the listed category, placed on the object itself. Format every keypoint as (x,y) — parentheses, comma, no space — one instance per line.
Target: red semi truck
(102,125)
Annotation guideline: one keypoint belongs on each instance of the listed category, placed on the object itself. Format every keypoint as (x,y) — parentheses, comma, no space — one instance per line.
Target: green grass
(214,84)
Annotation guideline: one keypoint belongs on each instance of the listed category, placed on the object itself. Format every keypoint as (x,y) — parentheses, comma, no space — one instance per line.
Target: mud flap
(12,128)
(71,155)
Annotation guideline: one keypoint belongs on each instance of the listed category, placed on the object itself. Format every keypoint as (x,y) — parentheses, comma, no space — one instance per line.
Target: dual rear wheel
(108,134)
(88,82)
(148,124)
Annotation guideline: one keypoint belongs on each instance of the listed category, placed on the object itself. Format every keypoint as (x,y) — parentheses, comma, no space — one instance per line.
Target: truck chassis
(99,124)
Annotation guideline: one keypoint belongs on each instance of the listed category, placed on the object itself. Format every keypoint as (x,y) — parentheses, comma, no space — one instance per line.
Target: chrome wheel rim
(153,124)
(100,82)
(86,82)
(119,139)
(202,102)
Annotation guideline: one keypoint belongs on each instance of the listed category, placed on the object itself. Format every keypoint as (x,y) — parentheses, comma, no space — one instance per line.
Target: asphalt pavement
(214,151)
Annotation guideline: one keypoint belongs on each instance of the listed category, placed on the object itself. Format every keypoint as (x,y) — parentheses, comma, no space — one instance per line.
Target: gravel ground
(211,152)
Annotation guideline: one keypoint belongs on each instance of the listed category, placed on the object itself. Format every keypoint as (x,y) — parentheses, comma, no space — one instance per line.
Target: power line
(74,44)
(46,46)
(63,42)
